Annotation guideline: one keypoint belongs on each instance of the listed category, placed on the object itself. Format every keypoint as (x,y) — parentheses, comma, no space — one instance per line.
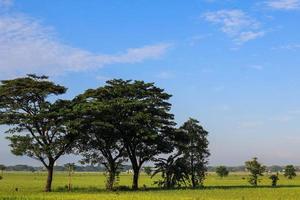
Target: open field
(90,186)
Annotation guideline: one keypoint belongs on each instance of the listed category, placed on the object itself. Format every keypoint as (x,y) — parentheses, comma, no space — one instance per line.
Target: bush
(274,179)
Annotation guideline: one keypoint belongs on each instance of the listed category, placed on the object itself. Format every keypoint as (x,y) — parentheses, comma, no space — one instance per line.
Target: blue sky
(233,65)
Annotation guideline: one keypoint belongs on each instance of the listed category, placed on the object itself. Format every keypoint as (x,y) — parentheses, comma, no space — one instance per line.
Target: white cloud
(249,35)
(287,47)
(6,3)
(284,4)
(26,46)
(236,24)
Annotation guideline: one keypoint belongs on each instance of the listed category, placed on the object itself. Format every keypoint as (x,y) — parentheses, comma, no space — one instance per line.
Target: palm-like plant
(174,172)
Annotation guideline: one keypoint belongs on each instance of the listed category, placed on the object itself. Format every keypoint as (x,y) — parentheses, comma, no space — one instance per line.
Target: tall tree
(139,114)
(196,150)
(256,170)
(290,172)
(101,142)
(38,125)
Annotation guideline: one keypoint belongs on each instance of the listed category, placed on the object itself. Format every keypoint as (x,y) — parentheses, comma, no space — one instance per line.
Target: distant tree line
(79,168)
(122,121)
(127,168)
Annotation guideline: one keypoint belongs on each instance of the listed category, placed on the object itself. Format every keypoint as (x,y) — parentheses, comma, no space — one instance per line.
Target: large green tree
(38,126)
(138,113)
(100,142)
(196,150)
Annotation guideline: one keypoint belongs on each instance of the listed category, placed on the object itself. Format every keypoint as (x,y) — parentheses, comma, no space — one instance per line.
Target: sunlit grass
(91,186)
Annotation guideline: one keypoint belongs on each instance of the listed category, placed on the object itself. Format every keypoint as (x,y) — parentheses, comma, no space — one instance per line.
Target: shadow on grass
(127,189)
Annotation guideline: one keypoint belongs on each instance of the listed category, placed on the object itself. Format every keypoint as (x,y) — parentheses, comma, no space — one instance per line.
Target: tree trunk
(194,184)
(135,181)
(70,180)
(111,179)
(49,178)
(193,176)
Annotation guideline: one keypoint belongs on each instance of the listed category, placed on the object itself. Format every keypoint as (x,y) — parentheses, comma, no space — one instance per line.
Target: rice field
(90,186)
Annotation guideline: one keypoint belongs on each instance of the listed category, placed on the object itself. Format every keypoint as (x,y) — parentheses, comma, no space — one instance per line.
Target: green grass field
(91,186)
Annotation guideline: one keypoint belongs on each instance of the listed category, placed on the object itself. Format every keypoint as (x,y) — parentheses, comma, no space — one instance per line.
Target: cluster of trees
(256,170)
(60,168)
(119,122)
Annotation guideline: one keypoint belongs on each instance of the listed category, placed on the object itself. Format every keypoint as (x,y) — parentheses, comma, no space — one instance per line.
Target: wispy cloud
(236,24)
(27,46)
(283,4)
(287,47)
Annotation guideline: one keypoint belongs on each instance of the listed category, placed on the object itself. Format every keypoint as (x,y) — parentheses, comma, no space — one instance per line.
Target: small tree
(274,179)
(290,172)
(222,171)
(174,171)
(70,167)
(196,150)
(148,170)
(256,170)
(2,168)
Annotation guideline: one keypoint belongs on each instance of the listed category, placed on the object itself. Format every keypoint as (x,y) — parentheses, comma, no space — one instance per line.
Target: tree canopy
(256,170)
(37,125)
(290,172)
(196,150)
(222,171)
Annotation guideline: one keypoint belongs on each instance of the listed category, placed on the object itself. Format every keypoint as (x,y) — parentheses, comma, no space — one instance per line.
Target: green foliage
(174,171)
(135,115)
(2,167)
(70,167)
(39,127)
(195,150)
(101,142)
(274,179)
(222,171)
(148,170)
(290,172)
(256,170)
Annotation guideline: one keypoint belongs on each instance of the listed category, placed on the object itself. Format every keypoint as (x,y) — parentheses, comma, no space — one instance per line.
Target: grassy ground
(91,186)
